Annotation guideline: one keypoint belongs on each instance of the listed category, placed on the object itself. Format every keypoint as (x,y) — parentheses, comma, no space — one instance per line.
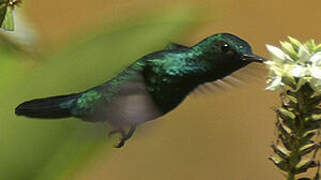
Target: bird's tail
(51,107)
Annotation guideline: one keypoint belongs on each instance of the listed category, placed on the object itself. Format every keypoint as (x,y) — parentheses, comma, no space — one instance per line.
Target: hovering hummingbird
(150,87)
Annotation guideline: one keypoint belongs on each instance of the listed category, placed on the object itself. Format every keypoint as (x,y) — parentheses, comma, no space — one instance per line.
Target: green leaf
(279,162)
(284,113)
(317,48)
(304,165)
(8,21)
(292,99)
(285,131)
(3,10)
(286,142)
(310,45)
(288,49)
(290,81)
(295,43)
(316,117)
(282,152)
(306,139)
(308,148)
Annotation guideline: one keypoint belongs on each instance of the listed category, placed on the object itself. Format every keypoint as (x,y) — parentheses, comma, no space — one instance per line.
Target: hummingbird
(152,86)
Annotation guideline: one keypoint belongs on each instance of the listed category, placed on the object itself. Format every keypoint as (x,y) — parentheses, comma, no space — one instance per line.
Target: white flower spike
(298,61)
(276,53)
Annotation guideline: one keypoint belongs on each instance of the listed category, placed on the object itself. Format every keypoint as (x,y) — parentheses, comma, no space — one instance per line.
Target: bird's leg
(125,137)
(118,130)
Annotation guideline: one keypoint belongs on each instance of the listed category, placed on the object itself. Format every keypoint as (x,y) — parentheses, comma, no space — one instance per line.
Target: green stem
(298,130)
(290,176)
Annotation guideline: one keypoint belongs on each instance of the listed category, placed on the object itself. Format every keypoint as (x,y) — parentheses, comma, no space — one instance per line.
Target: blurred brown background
(222,135)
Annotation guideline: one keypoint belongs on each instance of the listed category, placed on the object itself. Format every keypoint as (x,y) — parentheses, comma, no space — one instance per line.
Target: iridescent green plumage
(151,87)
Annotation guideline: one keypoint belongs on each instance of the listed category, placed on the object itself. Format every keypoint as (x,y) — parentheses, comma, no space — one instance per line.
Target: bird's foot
(125,136)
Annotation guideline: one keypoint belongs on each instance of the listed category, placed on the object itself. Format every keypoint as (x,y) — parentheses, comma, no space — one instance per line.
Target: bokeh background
(68,46)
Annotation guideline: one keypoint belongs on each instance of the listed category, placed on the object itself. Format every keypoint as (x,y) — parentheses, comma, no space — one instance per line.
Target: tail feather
(46,107)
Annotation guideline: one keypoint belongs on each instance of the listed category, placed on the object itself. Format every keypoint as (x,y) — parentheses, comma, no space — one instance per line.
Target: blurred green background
(78,44)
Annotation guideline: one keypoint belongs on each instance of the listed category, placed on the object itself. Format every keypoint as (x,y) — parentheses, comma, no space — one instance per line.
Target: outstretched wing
(122,101)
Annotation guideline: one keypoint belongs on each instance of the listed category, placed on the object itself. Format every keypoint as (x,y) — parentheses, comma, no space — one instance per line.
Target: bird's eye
(225,47)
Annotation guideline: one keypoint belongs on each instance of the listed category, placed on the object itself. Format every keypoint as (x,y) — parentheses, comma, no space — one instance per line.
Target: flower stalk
(296,71)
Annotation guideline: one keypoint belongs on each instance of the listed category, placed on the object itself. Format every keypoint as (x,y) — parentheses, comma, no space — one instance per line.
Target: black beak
(253,58)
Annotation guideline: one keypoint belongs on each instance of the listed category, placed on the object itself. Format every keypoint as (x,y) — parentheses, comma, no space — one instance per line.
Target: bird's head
(228,48)
(225,52)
